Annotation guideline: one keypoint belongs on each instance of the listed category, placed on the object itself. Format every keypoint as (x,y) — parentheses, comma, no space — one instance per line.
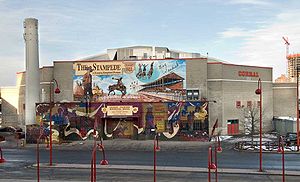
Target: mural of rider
(119,86)
(119,83)
(87,82)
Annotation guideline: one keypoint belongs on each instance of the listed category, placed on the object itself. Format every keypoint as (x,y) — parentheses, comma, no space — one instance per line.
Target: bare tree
(250,120)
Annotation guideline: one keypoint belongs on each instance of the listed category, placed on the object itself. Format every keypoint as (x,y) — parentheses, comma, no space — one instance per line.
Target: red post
(93,165)
(297,95)
(260,128)
(50,135)
(38,152)
(216,163)
(218,149)
(155,149)
(259,92)
(2,160)
(209,162)
(38,159)
(281,150)
(57,91)
(154,160)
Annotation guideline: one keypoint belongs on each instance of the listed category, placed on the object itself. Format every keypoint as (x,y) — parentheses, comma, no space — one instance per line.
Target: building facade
(128,91)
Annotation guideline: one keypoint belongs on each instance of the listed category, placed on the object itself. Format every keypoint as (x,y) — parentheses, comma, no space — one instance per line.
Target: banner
(144,81)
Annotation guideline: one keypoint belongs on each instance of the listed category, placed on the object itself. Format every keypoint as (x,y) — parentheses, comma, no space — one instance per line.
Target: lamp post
(38,151)
(281,150)
(297,102)
(155,149)
(218,149)
(258,91)
(211,165)
(57,91)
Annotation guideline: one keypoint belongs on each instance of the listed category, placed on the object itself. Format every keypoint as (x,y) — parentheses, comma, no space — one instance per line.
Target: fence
(268,146)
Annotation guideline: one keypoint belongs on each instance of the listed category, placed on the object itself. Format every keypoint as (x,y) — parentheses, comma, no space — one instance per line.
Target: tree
(250,120)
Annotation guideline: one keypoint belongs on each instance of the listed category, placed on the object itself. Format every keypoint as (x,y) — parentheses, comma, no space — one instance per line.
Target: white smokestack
(32,95)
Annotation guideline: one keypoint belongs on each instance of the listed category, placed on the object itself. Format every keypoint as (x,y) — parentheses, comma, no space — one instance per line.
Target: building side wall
(63,73)
(226,85)
(197,76)
(9,115)
(284,95)
(45,79)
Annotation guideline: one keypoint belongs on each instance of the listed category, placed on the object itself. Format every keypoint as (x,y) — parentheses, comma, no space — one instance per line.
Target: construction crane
(289,72)
(287,43)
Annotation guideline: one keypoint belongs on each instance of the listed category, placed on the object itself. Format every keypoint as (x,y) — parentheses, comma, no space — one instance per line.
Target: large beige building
(227,89)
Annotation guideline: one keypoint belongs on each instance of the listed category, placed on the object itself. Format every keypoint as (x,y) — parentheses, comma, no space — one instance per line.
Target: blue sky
(238,31)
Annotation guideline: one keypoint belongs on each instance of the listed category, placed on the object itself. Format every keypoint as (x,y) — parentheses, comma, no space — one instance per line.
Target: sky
(247,32)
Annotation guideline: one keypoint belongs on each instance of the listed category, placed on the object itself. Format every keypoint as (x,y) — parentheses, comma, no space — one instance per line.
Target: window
(197,125)
(238,104)
(192,94)
(145,56)
(249,103)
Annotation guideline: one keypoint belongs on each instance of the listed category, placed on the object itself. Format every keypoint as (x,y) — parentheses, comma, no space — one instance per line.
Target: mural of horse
(112,88)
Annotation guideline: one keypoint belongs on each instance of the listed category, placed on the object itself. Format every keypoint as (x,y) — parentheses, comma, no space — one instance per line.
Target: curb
(170,168)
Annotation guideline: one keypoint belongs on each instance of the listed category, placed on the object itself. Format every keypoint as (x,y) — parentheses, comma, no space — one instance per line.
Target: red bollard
(93,165)
(281,150)
(38,152)
(211,165)
(93,161)
(2,160)
(155,149)
(218,149)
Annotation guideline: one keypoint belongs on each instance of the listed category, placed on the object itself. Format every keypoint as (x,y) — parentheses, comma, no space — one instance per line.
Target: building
(293,61)
(282,79)
(132,89)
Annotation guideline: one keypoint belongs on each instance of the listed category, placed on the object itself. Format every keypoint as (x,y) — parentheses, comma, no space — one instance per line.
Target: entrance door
(120,127)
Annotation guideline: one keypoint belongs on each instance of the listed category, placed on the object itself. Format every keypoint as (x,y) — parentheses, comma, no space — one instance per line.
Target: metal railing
(268,146)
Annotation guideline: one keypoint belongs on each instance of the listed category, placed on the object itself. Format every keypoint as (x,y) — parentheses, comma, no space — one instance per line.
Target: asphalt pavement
(122,157)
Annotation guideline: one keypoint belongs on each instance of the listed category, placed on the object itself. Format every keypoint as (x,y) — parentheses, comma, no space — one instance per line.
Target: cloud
(265,47)
(66,30)
(235,32)
(250,2)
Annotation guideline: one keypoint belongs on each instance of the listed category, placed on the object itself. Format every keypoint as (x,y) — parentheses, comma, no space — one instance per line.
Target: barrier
(99,146)
(2,160)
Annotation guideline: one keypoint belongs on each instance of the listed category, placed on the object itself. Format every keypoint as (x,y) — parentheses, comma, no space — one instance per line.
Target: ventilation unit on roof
(168,55)
(132,57)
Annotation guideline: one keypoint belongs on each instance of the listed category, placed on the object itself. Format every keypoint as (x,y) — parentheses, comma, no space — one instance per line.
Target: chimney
(32,92)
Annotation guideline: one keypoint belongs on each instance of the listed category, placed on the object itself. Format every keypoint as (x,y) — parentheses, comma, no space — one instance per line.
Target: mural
(144,81)
(77,120)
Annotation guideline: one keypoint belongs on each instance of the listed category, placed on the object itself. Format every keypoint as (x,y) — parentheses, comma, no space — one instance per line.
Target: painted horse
(121,88)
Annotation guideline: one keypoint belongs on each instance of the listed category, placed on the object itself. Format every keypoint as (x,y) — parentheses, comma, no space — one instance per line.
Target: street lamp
(38,151)
(211,165)
(297,102)
(281,150)
(218,149)
(155,149)
(258,91)
(56,91)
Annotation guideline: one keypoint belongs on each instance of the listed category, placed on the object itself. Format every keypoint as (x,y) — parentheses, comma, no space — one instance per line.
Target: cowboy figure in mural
(119,86)
(119,83)
(87,82)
